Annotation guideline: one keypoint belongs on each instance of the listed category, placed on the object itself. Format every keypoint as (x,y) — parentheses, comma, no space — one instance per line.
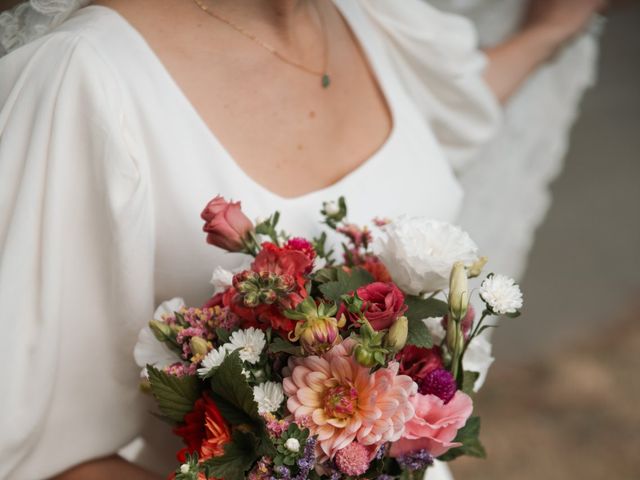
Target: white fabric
(104,168)
(507,185)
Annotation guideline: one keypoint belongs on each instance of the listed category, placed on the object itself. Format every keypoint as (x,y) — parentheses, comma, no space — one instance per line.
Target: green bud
(364,357)
(161,330)
(476,268)
(458,291)
(199,346)
(396,338)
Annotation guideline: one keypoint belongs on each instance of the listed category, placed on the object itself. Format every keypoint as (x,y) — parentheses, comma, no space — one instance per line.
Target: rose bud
(226,226)
(396,338)
(199,346)
(458,291)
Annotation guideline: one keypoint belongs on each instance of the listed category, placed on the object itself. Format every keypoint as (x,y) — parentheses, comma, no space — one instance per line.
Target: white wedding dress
(103,173)
(104,169)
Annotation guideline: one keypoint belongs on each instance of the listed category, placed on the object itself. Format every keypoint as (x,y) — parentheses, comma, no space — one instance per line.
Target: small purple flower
(440,383)
(415,461)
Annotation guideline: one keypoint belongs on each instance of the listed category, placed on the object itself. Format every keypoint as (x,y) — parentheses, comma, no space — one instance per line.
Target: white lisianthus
(269,396)
(478,358)
(250,342)
(437,331)
(419,253)
(502,294)
(221,279)
(149,350)
(212,360)
(292,444)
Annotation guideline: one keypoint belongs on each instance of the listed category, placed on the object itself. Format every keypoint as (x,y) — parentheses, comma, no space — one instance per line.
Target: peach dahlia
(341,401)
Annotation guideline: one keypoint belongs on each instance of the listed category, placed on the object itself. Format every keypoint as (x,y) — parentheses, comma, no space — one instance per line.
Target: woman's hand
(559,20)
(548,25)
(108,468)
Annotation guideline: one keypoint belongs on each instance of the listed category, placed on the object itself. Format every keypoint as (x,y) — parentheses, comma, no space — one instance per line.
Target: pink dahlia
(341,401)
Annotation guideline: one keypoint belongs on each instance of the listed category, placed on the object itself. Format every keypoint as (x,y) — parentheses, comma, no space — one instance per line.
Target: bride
(118,125)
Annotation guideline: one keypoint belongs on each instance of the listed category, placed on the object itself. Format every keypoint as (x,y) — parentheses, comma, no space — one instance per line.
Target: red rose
(418,362)
(383,304)
(203,431)
(225,224)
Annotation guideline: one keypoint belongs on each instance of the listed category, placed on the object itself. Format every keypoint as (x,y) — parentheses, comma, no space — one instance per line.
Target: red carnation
(203,431)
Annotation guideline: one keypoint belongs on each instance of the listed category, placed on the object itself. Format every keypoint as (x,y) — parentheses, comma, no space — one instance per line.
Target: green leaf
(232,393)
(239,455)
(223,335)
(345,283)
(421,308)
(469,437)
(419,334)
(280,345)
(468,381)
(175,395)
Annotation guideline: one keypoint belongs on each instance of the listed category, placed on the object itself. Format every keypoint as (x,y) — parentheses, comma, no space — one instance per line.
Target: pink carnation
(434,425)
(343,402)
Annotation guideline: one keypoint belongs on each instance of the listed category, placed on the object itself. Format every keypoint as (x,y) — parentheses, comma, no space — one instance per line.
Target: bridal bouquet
(302,366)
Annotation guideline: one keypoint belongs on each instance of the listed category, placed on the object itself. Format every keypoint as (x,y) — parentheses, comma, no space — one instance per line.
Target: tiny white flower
(250,342)
(502,294)
(420,253)
(293,445)
(213,359)
(331,208)
(184,468)
(269,396)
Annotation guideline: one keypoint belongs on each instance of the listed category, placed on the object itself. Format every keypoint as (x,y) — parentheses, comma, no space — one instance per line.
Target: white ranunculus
(269,396)
(502,294)
(420,253)
(250,342)
(150,351)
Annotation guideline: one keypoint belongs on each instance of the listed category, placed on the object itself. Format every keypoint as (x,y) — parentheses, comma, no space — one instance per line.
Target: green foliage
(468,381)
(469,437)
(232,393)
(421,308)
(239,455)
(280,345)
(175,395)
(345,283)
(419,334)
(223,335)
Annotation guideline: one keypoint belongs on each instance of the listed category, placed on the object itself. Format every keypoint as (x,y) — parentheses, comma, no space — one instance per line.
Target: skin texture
(279,125)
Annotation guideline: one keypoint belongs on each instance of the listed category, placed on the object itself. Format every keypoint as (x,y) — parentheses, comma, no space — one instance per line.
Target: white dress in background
(104,169)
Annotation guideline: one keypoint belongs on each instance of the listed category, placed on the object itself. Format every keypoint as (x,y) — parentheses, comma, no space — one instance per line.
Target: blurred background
(561,402)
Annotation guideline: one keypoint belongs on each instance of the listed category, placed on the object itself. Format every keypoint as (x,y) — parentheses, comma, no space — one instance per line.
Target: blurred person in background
(427,57)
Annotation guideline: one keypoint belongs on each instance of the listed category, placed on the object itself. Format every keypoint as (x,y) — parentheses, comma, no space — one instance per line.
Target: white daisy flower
(250,342)
(502,294)
(269,396)
(213,359)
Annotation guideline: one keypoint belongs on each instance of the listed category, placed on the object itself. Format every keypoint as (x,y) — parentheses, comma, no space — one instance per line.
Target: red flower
(281,261)
(203,431)
(225,224)
(383,304)
(418,362)
(376,268)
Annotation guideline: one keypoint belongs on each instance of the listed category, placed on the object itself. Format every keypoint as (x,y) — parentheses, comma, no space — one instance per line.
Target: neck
(280,14)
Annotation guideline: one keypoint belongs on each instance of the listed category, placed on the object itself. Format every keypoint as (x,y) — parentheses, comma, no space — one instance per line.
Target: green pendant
(326,81)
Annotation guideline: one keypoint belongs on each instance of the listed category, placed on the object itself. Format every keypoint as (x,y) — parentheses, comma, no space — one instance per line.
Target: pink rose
(434,425)
(383,303)
(418,362)
(225,224)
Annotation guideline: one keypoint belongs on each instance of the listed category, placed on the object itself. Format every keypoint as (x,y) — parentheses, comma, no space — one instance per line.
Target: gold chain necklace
(325,80)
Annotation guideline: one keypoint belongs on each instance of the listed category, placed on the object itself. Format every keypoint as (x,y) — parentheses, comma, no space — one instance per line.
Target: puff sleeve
(76,260)
(437,58)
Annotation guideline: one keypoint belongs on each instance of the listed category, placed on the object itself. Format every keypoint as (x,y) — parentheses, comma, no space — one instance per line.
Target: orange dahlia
(341,401)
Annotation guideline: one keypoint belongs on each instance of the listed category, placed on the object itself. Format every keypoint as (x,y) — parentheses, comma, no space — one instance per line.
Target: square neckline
(379,69)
